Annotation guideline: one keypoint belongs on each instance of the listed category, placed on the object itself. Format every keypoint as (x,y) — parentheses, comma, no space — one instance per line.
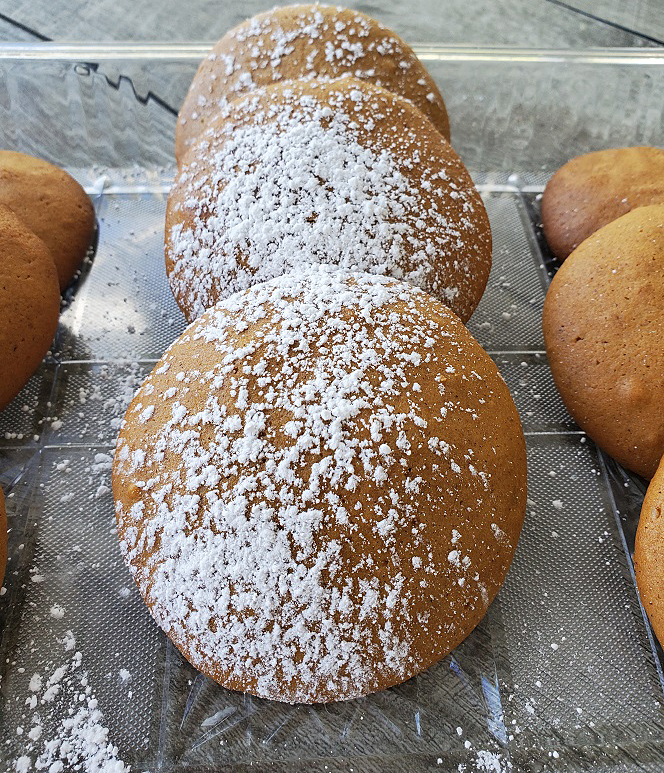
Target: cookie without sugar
(594,189)
(603,327)
(305,41)
(52,205)
(320,487)
(649,553)
(30,299)
(340,172)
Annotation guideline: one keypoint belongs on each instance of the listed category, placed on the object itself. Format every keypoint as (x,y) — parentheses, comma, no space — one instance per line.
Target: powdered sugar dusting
(80,740)
(346,50)
(292,431)
(316,174)
(321,42)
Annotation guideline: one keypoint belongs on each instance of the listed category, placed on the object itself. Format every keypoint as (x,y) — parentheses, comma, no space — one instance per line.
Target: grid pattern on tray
(598,692)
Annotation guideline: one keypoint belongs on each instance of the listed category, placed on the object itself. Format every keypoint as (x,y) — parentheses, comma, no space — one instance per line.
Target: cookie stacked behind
(320,487)
(291,151)
(52,205)
(592,190)
(305,41)
(46,227)
(340,172)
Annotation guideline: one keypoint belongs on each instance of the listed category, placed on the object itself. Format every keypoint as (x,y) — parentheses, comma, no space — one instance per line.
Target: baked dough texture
(320,487)
(52,205)
(305,41)
(30,300)
(340,172)
(603,327)
(649,553)
(594,189)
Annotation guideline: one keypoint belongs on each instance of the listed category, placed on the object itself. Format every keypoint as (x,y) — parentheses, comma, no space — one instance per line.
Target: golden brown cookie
(604,328)
(320,487)
(52,205)
(3,537)
(594,189)
(649,553)
(30,300)
(340,172)
(305,41)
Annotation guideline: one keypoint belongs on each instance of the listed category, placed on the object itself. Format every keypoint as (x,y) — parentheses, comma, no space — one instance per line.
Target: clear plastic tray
(563,673)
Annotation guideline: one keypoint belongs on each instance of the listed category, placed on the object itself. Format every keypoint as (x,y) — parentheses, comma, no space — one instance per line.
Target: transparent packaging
(562,675)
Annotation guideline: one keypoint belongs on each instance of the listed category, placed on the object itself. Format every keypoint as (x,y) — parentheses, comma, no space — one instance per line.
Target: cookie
(305,41)
(649,553)
(30,300)
(594,189)
(339,172)
(3,537)
(320,487)
(604,327)
(52,205)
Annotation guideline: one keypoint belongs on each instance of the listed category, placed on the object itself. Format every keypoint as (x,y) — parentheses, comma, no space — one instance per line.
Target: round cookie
(320,487)
(649,553)
(603,327)
(339,172)
(52,205)
(3,537)
(30,300)
(594,189)
(305,41)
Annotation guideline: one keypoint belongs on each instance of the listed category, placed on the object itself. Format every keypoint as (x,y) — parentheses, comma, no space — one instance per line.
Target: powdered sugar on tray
(299,178)
(64,727)
(283,424)
(486,762)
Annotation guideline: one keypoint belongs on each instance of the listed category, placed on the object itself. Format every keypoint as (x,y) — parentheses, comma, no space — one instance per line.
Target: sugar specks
(334,357)
(304,185)
(64,728)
